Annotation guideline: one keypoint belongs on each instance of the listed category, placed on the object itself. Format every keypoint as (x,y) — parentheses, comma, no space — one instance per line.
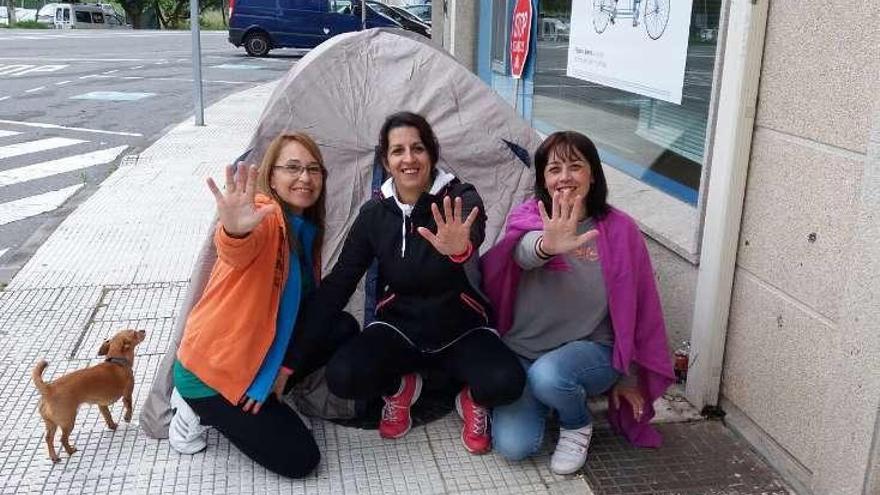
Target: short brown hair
(565,143)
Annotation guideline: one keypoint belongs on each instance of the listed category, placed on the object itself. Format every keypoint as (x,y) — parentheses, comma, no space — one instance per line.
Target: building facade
(758,191)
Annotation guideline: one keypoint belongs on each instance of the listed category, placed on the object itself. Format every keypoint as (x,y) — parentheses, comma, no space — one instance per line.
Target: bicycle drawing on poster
(655,15)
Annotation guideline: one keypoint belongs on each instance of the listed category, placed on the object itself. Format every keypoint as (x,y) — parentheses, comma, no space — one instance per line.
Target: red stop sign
(520,34)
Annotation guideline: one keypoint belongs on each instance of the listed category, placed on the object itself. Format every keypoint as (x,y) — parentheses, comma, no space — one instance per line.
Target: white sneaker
(186,433)
(571,450)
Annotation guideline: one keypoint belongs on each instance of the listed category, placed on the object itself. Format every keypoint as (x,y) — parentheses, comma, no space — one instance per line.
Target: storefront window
(640,131)
(499,37)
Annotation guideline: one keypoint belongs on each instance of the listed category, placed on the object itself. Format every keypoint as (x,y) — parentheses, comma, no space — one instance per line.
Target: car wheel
(257,44)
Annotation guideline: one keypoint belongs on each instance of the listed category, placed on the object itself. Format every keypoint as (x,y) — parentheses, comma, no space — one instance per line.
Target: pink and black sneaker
(475,432)
(396,419)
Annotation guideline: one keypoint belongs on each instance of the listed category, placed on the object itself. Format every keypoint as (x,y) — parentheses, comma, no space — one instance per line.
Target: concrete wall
(454,27)
(677,283)
(802,360)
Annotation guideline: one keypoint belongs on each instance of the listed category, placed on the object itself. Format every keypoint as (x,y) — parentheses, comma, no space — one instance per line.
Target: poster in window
(638,46)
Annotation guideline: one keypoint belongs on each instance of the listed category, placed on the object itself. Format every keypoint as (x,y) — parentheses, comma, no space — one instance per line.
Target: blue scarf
(287,309)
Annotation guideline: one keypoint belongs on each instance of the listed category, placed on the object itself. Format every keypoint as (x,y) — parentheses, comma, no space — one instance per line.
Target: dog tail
(37,375)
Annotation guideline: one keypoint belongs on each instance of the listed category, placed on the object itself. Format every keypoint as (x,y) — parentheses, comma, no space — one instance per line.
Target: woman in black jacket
(429,311)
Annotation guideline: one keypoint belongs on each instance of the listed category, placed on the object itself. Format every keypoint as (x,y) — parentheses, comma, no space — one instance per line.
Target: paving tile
(698,457)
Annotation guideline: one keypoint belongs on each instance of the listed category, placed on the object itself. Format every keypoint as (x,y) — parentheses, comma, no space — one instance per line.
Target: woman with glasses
(240,347)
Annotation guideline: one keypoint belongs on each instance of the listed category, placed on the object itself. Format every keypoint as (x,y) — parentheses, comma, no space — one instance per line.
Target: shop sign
(640,46)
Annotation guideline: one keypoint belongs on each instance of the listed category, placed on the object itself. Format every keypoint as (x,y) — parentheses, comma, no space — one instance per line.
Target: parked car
(87,16)
(421,10)
(46,14)
(405,19)
(263,25)
(553,29)
(404,3)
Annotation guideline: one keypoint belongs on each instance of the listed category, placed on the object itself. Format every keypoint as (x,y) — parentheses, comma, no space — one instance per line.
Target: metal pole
(363,14)
(197,62)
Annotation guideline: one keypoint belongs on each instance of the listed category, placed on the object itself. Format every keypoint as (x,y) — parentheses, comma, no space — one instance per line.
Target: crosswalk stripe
(18,149)
(59,166)
(65,128)
(8,133)
(34,205)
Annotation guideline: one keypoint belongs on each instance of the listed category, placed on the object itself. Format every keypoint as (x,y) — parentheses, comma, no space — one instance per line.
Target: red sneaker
(475,432)
(396,420)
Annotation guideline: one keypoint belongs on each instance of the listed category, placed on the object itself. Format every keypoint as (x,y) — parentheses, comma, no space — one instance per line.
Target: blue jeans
(561,379)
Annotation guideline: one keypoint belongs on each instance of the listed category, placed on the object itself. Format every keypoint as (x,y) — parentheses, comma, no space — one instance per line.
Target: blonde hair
(314,213)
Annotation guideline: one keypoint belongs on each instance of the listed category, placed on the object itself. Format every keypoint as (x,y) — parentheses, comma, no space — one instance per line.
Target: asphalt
(93,91)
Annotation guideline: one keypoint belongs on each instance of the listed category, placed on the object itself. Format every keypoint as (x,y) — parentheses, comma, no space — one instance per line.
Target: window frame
(500,19)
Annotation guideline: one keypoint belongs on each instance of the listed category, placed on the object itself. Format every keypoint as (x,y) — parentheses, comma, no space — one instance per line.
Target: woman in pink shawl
(574,291)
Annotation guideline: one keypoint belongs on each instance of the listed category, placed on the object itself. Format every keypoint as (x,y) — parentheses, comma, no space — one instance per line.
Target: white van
(87,16)
(46,14)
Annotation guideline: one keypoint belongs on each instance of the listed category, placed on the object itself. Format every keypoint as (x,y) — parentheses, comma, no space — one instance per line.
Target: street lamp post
(197,62)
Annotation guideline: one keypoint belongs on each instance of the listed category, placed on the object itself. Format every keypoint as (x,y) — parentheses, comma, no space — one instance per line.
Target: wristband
(461,258)
(539,249)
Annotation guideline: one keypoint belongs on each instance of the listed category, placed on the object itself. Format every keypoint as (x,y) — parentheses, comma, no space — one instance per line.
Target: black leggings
(276,437)
(372,364)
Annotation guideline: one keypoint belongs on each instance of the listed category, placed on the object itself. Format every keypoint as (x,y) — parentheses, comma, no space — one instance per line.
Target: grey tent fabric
(340,94)
(156,413)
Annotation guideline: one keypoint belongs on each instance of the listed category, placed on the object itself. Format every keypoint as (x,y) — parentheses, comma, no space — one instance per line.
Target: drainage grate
(129,161)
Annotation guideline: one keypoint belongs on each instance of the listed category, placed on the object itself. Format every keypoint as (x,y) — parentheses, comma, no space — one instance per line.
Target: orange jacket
(230,329)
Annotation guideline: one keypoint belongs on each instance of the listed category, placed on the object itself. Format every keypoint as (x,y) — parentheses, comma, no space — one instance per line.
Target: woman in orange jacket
(239,345)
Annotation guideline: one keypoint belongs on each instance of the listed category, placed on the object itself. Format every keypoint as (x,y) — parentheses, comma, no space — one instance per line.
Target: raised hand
(453,234)
(560,230)
(238,213)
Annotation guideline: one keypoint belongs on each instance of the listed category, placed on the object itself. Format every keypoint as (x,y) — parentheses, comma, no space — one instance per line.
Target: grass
(30,25)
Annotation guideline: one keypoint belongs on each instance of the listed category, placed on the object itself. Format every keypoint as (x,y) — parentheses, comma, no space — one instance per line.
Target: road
(73,104)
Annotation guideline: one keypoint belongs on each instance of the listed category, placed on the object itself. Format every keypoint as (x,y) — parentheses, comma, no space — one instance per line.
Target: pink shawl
(634,305)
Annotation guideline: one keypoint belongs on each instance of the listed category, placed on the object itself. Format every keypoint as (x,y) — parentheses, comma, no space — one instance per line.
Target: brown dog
(102,384)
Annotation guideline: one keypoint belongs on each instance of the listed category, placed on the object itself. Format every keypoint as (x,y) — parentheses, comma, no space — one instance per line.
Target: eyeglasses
(295,170)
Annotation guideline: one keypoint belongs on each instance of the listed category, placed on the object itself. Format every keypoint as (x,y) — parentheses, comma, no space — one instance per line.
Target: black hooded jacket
(424,295)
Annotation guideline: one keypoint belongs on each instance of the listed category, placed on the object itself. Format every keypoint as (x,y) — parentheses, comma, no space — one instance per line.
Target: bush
(212,20)
(30,25)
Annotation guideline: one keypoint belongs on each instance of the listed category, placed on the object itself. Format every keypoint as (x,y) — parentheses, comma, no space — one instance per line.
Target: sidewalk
(123,259)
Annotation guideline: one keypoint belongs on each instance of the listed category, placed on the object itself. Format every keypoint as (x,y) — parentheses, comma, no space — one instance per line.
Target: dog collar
(117,360)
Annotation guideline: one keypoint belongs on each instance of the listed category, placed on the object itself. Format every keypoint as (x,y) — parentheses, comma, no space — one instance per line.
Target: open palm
(560,230)
(236,208)
(453,234)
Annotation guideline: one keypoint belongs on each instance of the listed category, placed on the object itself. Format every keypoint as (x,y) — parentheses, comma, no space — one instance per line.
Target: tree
(134,10)
(10,9)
